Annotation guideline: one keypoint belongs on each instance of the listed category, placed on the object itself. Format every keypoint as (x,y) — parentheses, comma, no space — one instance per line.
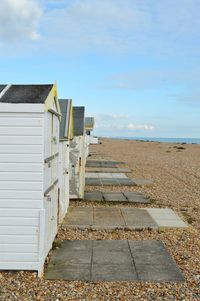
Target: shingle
(65,121)
(79,120)
(26,94)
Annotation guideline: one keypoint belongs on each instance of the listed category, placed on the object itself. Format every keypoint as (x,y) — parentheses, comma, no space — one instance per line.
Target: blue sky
(134,64)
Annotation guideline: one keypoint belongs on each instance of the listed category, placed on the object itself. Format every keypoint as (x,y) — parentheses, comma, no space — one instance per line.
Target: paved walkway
(133,197)
(108,170)
(110,218)
(88,260)
(91,260)
(109,182)
(114,179)
(102,163)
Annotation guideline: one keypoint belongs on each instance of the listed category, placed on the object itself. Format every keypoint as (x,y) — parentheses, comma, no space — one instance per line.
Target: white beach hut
(89,127)
(29,150)
(77,155)
(66,135)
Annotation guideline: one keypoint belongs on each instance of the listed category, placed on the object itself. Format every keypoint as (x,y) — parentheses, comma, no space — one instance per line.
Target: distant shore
(159,139)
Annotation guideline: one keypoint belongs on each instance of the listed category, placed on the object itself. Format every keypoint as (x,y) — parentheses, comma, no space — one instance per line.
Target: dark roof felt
(26,94)
(79,120)
(64,125)
(2,87)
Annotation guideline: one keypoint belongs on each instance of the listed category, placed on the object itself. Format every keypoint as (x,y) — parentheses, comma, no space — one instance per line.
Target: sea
(157,139)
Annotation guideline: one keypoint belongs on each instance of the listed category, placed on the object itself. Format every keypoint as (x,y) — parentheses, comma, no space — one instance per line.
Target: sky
(134,64)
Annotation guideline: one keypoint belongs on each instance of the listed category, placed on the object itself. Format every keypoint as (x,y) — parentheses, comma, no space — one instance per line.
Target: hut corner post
(41,243)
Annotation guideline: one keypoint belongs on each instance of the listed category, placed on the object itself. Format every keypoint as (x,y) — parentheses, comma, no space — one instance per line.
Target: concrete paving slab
(114,180)
(104,175)
(108,170)
(132,197)
(153,261)
(119,176)
(108,218)
(81,217)
(114,272)
(93,181)
(93,196)
(109,252)
(112,218)
(126,182)
(114,197)
(154,253)
(92,175)
(110,260)
(102,163)
(107,182)
(69,272)
(138,219)
(136,197)
(159,273)
(166,218)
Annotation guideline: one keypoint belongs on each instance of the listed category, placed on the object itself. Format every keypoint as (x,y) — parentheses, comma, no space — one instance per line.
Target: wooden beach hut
(77,155)
(29,170)
(66,135)
(89,127)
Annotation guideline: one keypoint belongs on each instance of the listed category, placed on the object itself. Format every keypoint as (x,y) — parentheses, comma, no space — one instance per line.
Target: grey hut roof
(26,94)
(79,120)
(65,105)
(2,87)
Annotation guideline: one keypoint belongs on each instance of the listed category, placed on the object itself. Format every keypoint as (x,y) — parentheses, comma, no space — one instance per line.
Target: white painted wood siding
(51,174)
(77,167)
(63,179)
(21,185)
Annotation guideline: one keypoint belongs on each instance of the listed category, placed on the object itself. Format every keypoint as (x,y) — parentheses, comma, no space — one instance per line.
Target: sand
(175,170)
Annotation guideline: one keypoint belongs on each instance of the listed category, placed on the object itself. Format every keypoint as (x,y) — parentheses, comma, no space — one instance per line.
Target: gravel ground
(175,170)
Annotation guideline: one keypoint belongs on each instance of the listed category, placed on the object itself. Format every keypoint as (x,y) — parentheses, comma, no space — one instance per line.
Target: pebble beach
(175,172)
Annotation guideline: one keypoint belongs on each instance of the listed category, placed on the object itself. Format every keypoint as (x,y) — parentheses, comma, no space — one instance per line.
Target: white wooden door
(51,178)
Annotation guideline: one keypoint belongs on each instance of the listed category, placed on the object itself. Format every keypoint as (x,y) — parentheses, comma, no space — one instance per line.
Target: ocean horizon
(157,139)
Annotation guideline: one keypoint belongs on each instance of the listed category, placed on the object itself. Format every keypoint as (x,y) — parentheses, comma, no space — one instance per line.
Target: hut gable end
(79,120)
(66,130)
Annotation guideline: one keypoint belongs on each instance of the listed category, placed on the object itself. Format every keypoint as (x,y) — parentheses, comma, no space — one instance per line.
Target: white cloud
(127,127)
(19,20)
(108,117)
(96,24)
(146,127)
(118,25)
(109,26)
